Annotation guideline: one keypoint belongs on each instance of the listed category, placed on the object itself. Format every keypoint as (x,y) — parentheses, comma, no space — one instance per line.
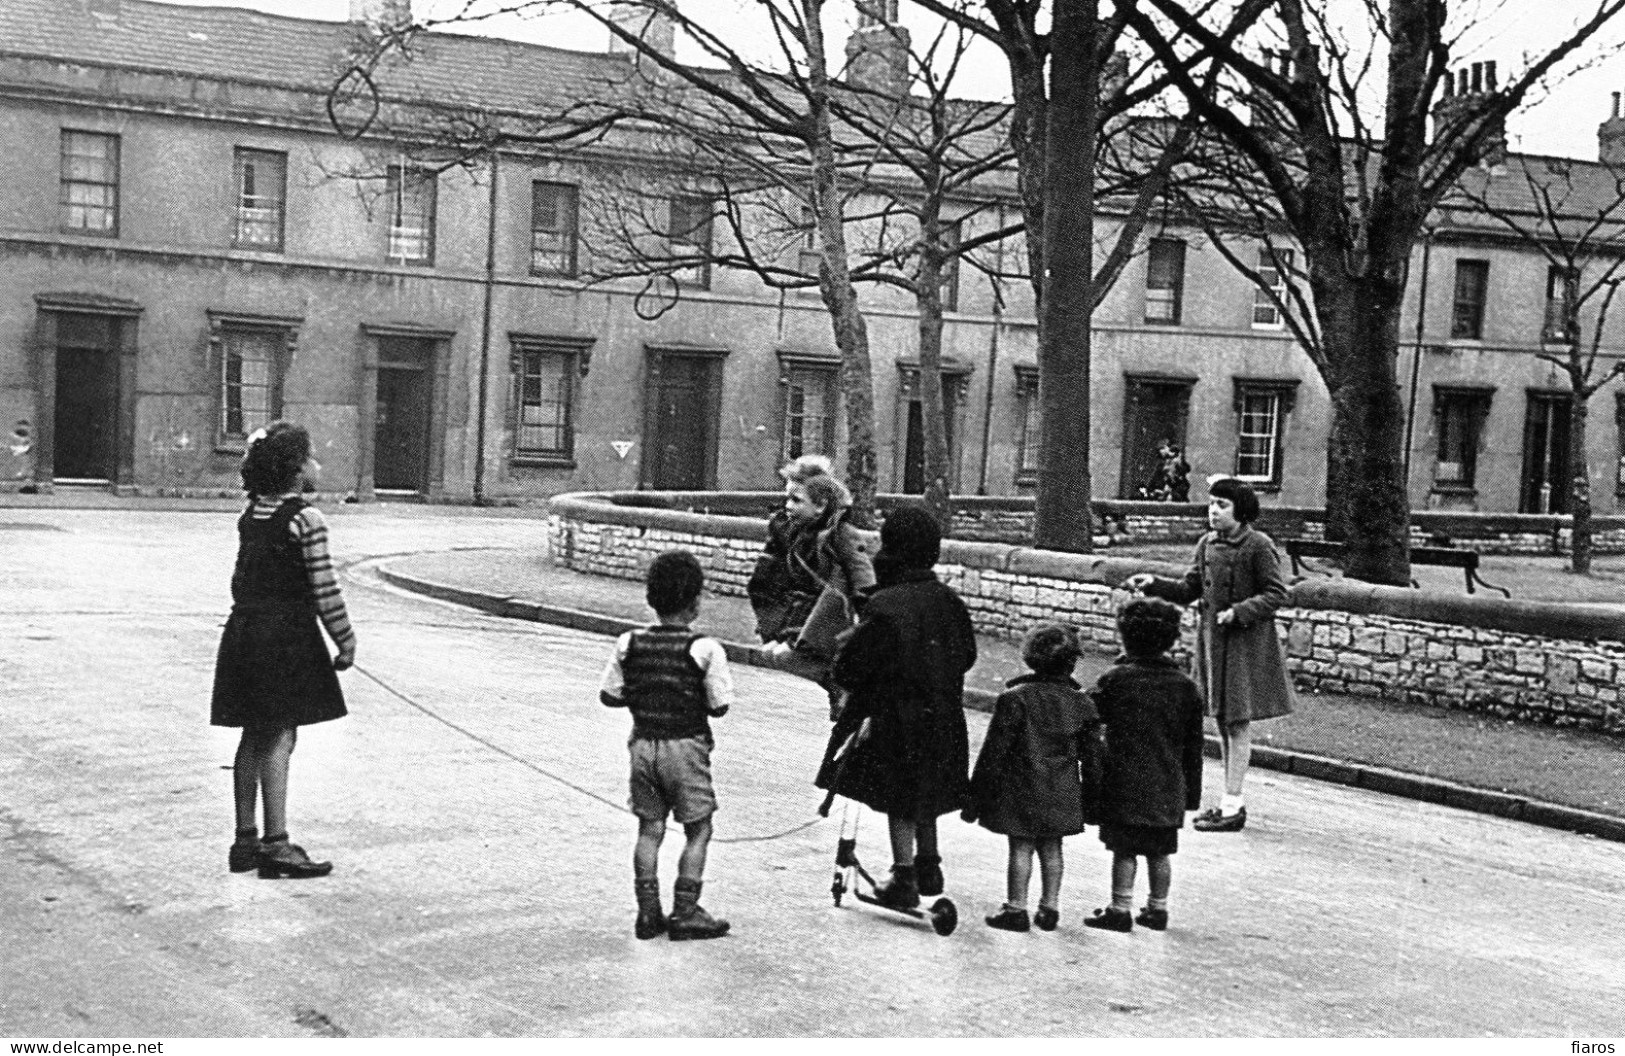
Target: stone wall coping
(1541,619)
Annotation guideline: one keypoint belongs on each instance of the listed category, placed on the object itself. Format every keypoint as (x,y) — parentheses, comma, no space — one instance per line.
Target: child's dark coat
(1027,782)
(1152,713)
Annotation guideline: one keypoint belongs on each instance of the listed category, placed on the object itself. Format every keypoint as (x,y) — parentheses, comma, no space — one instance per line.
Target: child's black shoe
(1223,823)
(1008,919)
(696,924)
(901,891)
(244,854)
(1155,919)
(280,858)
(928,873)
(1111,919)
(1047,918)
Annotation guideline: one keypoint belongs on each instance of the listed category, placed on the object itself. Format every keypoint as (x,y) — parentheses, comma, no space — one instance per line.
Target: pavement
(474,804)
(1563,778)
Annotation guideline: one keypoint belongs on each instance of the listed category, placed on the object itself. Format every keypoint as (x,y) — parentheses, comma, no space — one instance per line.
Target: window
(689,237)
(1273,266)
(809,409)
(951,235)
(1164,280)
(553,217)
(544,375)
(1459,414)
(1028,434)
(1562,293)
(411,215)
(1261,410)
(262,179)
(252,353)
(90,183)
(1472,286)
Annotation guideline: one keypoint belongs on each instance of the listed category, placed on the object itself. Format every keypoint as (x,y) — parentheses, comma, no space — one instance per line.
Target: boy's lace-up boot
(651,918)
(688,919)
(901,891)
(245,852)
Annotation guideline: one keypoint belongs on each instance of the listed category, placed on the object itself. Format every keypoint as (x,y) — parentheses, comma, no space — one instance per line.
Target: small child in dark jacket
(1152,712)
(1026,785)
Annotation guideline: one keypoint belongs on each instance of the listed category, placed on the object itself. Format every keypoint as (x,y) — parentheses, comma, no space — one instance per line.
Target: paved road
(473,803)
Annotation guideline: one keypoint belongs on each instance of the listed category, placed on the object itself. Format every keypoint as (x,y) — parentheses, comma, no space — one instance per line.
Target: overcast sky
(1561,121)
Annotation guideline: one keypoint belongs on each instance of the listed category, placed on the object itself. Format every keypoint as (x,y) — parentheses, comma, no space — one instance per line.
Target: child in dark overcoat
(900,745)
(1152,713)
(1027,784)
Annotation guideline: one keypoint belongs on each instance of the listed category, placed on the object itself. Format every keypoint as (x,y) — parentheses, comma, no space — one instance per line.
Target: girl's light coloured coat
(1240,668)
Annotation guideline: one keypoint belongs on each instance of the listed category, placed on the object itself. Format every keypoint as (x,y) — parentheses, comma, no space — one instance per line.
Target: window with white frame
(1262,407)
(689,238)
(411,195)
(1562,291)
(1273,265)
(1467,306)
(809,408)
(545,373)
(554,216)
(261,178)
(252,354)
(90,180)
(1028,433)
(1164,280)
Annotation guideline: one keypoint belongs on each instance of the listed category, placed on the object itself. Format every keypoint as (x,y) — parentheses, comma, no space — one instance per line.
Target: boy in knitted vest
(673,681)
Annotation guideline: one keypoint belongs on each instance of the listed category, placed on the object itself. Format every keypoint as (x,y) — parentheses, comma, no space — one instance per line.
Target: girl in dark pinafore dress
(273,673)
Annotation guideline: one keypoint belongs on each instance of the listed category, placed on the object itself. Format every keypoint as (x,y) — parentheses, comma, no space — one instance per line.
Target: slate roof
(237,44)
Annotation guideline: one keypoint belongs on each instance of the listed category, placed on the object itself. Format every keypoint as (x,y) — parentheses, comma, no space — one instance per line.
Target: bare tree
(1353,194)
(1574,217)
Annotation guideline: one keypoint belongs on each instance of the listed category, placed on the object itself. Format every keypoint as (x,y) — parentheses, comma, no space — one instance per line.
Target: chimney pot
(1489,76)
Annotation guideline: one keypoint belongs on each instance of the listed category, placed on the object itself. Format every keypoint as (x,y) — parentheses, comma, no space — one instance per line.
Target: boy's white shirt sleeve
(719,681)
(613,684)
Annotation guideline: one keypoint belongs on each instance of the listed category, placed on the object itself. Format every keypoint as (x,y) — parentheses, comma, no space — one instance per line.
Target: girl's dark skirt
(273,670)
(1152,841)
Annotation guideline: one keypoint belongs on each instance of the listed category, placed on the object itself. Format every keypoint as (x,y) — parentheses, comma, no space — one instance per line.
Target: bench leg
(1473,577)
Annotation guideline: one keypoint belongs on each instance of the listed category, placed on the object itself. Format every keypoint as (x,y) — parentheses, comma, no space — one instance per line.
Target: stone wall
(1534,661)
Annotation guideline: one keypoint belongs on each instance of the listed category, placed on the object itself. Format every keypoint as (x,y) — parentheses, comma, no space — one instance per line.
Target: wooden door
(1545,455)
(1154,413)
(685,397)
(402,419)
(87,403)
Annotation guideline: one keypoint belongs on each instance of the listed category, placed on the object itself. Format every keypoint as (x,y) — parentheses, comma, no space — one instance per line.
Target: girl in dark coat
(1027,783)
(1239,665)
(900,746)
(813,566)
(1153,771)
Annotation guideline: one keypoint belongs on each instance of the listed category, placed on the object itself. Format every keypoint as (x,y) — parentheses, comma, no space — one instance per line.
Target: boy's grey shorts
(672,777)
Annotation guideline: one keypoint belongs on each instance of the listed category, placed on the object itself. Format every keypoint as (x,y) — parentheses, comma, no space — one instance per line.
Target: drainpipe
(992,356)
(485,336)
(1416,355)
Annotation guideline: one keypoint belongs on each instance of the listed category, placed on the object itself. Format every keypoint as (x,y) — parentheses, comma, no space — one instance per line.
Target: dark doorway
(914,449)
(87,397)
(402,419)
(1154,412)
(685,397)
(1546,455)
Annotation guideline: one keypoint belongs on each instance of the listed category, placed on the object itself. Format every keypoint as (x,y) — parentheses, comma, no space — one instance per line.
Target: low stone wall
(1534,661)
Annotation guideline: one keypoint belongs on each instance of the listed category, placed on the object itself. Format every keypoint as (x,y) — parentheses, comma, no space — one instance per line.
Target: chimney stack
(387,15)
(1611,137)
(650,21)
(877,51)
(1465,92)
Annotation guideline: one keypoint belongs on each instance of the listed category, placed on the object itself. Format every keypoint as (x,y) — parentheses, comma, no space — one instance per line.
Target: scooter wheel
(944,917)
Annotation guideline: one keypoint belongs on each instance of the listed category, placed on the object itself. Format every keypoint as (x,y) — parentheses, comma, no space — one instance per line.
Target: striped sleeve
(311,529)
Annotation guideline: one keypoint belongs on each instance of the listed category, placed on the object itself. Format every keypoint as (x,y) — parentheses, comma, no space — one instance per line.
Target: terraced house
(190,249)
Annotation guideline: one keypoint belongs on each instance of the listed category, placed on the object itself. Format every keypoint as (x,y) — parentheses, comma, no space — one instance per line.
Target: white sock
(1229,804)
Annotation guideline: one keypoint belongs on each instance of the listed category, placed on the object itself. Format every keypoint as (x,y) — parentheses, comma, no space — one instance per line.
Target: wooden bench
(1444,556)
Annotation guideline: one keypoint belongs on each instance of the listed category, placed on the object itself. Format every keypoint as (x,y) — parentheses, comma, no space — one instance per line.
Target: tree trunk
(835,283)
(933,408)
(1061,520)
(1368,428)
(1580,500)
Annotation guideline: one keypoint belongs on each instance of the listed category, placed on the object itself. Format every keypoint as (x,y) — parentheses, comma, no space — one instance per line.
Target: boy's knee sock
(1124,866)
(685,896)
(648,892)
